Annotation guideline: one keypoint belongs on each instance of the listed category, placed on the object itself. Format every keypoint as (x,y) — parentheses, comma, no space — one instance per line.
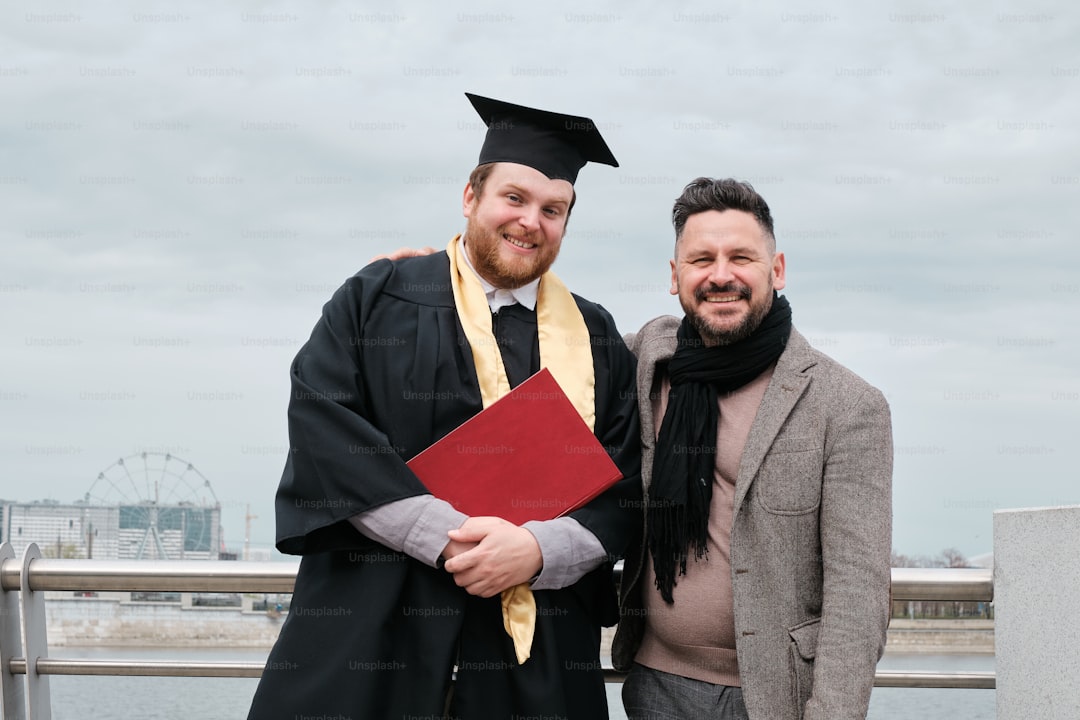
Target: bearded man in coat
(760,589)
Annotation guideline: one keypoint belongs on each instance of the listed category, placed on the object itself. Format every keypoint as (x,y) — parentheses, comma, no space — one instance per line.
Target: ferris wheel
(167,508)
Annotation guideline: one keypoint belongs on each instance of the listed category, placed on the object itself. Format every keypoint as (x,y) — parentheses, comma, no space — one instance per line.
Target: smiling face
(516,224)
(724,273)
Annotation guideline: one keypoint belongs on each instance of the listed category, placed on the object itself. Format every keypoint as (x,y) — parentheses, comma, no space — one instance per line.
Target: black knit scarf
(685,458)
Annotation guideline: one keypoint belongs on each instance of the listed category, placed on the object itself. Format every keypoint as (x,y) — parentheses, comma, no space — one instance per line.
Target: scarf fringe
(675,537)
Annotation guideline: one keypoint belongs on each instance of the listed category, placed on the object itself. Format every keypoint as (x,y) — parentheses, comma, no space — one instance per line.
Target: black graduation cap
(555,144)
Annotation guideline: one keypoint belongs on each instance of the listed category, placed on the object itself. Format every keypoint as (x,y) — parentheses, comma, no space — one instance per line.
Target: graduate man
(395,587)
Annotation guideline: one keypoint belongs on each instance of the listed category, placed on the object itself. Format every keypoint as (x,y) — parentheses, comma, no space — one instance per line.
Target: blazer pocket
(789,481)
(801,653)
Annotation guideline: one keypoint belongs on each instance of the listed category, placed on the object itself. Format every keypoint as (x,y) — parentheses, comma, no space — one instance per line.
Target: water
(79,697)
(152,698)
(933,703)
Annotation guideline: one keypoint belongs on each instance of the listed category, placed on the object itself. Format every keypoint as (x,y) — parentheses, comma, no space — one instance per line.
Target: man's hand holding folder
(503,555)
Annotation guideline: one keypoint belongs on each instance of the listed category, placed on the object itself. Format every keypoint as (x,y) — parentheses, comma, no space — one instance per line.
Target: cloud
(184,188)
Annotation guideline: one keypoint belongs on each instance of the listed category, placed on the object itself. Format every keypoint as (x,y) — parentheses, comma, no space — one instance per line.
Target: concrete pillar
(1037,613)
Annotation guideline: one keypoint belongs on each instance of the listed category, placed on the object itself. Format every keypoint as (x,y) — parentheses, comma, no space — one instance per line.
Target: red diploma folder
(527,456)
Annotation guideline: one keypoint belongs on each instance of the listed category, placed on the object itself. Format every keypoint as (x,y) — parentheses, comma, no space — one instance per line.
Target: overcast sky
(184,187)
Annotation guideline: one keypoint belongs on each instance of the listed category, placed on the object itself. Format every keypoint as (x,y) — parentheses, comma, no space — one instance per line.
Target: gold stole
(565,350)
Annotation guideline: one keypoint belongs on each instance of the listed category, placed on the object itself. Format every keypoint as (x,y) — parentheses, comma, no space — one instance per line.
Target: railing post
(1036,634)
(38,703)
(11,688)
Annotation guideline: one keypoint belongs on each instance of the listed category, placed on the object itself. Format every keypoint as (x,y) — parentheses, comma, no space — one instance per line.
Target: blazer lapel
(788,383)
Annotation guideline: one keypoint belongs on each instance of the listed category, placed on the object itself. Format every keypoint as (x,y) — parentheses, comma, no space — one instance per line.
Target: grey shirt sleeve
(416,526)
(569,551)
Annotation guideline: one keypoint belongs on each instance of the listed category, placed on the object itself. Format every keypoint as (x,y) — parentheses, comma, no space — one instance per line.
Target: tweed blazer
(810,539)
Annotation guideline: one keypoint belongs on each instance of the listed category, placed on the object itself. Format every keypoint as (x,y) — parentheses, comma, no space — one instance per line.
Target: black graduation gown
(372,633)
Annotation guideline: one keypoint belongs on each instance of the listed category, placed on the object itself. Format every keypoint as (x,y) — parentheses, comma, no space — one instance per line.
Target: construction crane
(248,517)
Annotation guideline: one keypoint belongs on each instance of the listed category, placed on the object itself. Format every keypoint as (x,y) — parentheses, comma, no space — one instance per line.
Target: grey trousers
(654,695)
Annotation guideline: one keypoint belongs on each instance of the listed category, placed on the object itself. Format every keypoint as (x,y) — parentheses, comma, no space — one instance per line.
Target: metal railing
(29,579)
